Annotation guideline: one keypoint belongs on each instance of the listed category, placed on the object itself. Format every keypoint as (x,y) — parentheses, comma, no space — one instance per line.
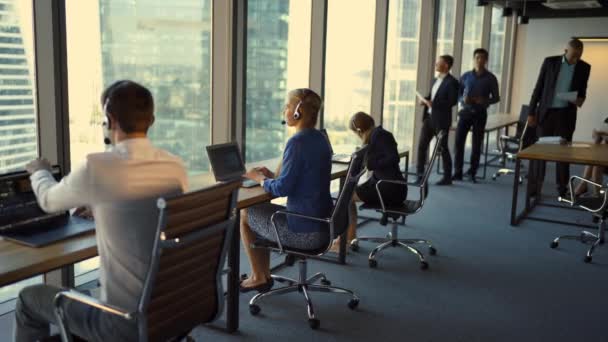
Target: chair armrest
(398,183)
(87,300)
(572,200)
(291,213)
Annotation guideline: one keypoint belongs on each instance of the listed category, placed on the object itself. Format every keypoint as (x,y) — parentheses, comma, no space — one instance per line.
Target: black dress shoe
(457,176)
(444,181)
(265,287)
(473,178)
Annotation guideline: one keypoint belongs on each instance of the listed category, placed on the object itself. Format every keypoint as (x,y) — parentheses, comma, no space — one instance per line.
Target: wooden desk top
(497,121)
(593,154)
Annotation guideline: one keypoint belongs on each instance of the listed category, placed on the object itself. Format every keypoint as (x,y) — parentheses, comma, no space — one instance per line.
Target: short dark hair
(449,60)
(131,104)
(481,51)
(576,43)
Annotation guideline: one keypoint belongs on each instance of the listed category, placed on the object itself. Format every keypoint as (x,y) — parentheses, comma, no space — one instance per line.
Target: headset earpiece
(296,113)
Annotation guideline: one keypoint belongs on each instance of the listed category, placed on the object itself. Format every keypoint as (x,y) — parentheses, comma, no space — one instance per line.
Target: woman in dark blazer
(381,162)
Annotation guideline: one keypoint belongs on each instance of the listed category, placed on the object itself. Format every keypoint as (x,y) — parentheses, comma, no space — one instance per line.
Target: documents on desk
(551,140)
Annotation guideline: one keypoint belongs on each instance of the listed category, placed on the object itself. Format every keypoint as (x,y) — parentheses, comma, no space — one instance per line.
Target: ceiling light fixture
(524,19)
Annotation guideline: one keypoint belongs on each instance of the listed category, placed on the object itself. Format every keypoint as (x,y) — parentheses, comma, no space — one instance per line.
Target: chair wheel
(325,282)
(354,247)
(353,303)
(554,244)
(494,177)
(290,260)
(587,259)
(254,309)
(424,265)
(314,323)
(432,251)
(373,263)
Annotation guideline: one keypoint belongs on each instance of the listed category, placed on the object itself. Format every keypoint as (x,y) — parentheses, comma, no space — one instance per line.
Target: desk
(595,155)
(495,123)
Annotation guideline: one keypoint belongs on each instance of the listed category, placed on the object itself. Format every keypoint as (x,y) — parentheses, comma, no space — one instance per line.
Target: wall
(547,37)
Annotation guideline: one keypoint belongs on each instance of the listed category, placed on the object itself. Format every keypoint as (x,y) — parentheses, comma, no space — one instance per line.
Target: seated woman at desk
(594,173)
(382,163)
(304,179)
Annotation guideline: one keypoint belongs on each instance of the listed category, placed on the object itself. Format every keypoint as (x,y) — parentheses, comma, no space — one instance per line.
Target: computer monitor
(226,161)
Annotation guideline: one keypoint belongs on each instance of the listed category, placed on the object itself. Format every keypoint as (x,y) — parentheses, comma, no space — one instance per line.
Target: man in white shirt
(437,117)
(131,169)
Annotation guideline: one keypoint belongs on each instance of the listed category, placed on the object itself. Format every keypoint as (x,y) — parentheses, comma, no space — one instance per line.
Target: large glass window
(165,46)
(348,67)
(446,21)
(278,60)
(401,69)
(18,128)
(473,27)
(497,48)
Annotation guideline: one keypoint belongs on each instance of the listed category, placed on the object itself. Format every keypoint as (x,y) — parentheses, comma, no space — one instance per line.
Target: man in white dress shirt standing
(131,169)
(437,117)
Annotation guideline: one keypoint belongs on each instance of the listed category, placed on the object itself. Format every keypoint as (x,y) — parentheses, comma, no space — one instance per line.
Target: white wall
(547,37)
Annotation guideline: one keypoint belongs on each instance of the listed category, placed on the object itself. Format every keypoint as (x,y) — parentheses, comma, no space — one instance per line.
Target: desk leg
(342,251)
(232,300)
(485,155)
(407,165)
(515,189)
(67,277)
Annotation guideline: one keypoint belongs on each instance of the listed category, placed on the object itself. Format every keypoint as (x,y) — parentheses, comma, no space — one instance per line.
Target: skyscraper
(165,46)
(18,141)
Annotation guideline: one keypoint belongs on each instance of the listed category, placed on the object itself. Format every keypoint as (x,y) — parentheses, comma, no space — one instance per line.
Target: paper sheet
(580,145)
(420,96)
(567,96)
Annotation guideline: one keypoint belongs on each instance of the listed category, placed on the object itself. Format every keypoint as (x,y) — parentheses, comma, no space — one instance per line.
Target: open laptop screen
(226,161)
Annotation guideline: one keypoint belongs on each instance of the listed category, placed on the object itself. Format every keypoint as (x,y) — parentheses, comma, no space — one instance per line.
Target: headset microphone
(283,122)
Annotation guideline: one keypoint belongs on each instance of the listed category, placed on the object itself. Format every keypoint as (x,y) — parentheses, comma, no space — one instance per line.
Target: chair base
(587,238)
(392,240)
(304,285)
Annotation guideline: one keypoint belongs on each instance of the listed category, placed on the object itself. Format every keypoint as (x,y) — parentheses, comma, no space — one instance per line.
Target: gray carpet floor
(489,282)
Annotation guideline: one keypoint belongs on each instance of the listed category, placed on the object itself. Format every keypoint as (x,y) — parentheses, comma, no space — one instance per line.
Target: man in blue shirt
(478,90)
(552,112)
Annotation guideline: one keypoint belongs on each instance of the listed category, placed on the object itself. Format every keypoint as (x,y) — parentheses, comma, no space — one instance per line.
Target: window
(162,45)
(497,46)
(473,26)
(348,68)
(278,45)
(401,69)
(18,128)
(446,21)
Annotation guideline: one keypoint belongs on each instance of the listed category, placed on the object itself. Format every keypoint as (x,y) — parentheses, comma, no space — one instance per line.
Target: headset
(352,123)
(106,126)
(296,113)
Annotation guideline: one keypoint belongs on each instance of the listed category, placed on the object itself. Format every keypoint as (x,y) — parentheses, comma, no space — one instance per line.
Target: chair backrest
(340,216)
(183,287)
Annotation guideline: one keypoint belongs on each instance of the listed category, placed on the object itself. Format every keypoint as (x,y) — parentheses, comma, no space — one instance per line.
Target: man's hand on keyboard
(38,164)
(83,212)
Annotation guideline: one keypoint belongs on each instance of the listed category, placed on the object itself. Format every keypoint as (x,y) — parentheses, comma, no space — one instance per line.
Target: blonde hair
(310,104)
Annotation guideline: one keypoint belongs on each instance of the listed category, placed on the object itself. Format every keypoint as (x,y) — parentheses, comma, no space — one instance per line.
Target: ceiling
(535,9)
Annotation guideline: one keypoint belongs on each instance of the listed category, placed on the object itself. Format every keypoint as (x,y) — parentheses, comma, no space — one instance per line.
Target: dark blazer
(544,91)
(445,99)
(383,156)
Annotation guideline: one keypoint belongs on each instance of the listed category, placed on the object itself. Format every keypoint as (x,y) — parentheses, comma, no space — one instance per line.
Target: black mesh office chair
(407,208)
(183,286)
(337,223)
(597,206)
(510,145)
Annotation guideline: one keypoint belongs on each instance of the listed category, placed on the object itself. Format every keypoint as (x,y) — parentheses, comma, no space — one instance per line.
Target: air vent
(572,4)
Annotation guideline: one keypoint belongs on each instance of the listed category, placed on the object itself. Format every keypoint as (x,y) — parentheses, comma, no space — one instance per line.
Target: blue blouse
(304,180)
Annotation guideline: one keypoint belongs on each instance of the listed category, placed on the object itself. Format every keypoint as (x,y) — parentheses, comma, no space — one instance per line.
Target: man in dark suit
(551,112)
(437,117)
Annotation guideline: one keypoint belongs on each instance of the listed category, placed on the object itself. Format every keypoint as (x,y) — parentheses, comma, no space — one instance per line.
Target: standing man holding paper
(561,88)
(437,117)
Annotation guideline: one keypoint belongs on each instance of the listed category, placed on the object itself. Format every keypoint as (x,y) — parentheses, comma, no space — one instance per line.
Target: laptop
(340,158)
(23,221)
(227,163)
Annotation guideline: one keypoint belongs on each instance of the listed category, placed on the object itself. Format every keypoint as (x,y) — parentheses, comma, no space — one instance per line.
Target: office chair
(337,223)
(407,208)
(183,287)
(597,207)
(511,145)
